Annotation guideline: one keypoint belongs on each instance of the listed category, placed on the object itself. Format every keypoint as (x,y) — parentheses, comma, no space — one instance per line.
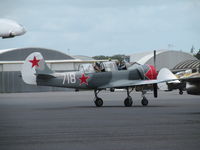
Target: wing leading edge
(131,83)
(165,75)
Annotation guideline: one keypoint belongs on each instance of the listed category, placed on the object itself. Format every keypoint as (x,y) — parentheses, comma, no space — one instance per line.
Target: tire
(128,102)
(144,102)
(98,102)
(181,92)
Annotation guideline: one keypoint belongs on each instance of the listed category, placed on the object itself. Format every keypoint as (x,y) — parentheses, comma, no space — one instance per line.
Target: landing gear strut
(98,101)
(128,101)
(144,101)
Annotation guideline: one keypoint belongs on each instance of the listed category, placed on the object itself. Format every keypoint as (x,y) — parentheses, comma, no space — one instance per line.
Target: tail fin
(166,74)
(34,65)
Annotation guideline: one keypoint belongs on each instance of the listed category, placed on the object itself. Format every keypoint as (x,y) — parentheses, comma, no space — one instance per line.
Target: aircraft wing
(190,79)
(131,83)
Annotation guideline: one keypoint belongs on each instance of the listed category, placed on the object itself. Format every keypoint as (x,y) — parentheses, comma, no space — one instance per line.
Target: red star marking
(34,62)
(151,73)
(83,79)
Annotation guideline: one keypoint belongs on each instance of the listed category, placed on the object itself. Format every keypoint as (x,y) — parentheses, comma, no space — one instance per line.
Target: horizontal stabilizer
(45,76)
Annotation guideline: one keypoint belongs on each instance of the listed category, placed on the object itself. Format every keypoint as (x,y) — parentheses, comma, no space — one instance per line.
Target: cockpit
(86,68)
(98,67)
(110,66)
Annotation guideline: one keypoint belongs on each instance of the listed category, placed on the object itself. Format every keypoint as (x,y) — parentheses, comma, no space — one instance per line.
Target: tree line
(119,57)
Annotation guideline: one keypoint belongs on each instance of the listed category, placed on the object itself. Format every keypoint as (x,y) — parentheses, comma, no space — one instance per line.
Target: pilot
(122,65)
(97,67)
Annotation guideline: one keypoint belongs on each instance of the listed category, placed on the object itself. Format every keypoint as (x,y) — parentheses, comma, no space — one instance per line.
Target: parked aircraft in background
(92,77)
(10,28)
(186,81)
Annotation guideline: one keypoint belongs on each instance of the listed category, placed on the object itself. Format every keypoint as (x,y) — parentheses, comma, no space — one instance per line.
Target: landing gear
(144,100)
(180,91)
(128,102)
(98,101)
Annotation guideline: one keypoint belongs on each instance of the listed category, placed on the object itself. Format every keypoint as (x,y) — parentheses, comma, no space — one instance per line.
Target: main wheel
(128,102)
(98,102)
(144,101)
(181,92)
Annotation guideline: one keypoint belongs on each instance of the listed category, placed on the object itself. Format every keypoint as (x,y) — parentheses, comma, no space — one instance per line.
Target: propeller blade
(154,58)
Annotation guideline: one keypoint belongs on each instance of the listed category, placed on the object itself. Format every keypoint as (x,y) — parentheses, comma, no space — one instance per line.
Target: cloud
(102,27)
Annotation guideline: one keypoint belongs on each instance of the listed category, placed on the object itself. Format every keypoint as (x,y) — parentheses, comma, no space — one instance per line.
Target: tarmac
(70,121)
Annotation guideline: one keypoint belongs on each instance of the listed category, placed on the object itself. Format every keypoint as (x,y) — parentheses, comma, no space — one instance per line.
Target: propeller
(155,86)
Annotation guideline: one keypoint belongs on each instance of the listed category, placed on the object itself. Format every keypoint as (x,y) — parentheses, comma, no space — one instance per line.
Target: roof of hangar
(143,57)
(20,54)
(189,64)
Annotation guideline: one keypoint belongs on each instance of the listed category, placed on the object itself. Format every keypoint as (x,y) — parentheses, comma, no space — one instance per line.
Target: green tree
(100,57)
(118,57)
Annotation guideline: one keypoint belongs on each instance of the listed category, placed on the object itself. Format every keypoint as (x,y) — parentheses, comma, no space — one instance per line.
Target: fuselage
(82,80)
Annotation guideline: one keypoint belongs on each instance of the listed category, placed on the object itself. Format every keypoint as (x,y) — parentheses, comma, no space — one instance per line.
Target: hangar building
(12,59)
(164,58)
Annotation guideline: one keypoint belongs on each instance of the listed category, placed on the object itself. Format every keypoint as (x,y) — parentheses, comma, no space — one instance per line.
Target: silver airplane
(190,83)
(36,72)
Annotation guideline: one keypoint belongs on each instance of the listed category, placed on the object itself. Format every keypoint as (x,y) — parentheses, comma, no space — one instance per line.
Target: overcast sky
(107,27)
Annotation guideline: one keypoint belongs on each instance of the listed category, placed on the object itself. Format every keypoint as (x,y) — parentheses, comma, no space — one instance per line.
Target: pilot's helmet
(97,64)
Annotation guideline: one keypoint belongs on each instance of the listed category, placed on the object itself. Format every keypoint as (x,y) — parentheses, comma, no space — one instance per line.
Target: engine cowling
(148,72)
(151,72)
